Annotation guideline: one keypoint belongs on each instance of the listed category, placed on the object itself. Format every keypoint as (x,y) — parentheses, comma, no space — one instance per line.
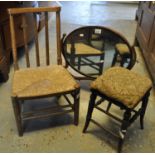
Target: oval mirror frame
(105,29)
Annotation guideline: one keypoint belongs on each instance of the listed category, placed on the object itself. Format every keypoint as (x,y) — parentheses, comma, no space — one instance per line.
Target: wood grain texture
(32,10)
(47,39)
(145,34)
(24,27)
(36,40)
(13,38)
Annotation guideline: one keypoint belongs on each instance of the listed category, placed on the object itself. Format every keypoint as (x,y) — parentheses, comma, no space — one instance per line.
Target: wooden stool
(123,51)
(125,89)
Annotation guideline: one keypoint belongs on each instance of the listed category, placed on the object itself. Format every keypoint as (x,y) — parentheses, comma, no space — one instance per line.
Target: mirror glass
(90,50)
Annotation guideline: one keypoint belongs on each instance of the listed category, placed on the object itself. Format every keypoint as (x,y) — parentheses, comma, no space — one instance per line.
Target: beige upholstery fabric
(123,85)
(81,48)
(42,81)
(122,48)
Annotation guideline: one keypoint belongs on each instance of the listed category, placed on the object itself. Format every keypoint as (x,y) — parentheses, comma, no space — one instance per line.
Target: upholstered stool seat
(123,51)
(125,89)
(122,48)
(122,85)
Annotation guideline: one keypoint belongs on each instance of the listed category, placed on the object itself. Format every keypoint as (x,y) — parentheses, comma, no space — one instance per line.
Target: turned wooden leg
(90,110)
(125,124)
(143,108)
(17,112)
(114,59)
(76,106)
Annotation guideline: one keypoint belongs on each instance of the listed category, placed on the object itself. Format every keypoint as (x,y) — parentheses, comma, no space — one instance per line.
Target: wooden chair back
(34,11)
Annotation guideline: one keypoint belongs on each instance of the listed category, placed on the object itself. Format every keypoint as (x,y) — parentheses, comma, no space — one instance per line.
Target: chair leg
(122,61)
(76,106)
(101,64)
(90,110)
(79,63)
(124,127)
(114,59)
(143,109)
(109,106)
(17,112)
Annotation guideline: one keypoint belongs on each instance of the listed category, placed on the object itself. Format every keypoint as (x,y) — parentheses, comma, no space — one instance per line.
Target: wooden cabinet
(3,63)
(5,39)
(145,34)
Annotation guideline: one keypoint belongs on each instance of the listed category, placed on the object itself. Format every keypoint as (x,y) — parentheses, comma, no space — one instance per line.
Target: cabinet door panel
(19,32)
(152,39)
(145,35)
(146,24)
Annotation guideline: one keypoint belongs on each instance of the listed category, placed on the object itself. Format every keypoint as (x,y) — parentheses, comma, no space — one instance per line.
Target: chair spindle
(36,39)
(59,59)
(13,38)
(24,27)
(47,39)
